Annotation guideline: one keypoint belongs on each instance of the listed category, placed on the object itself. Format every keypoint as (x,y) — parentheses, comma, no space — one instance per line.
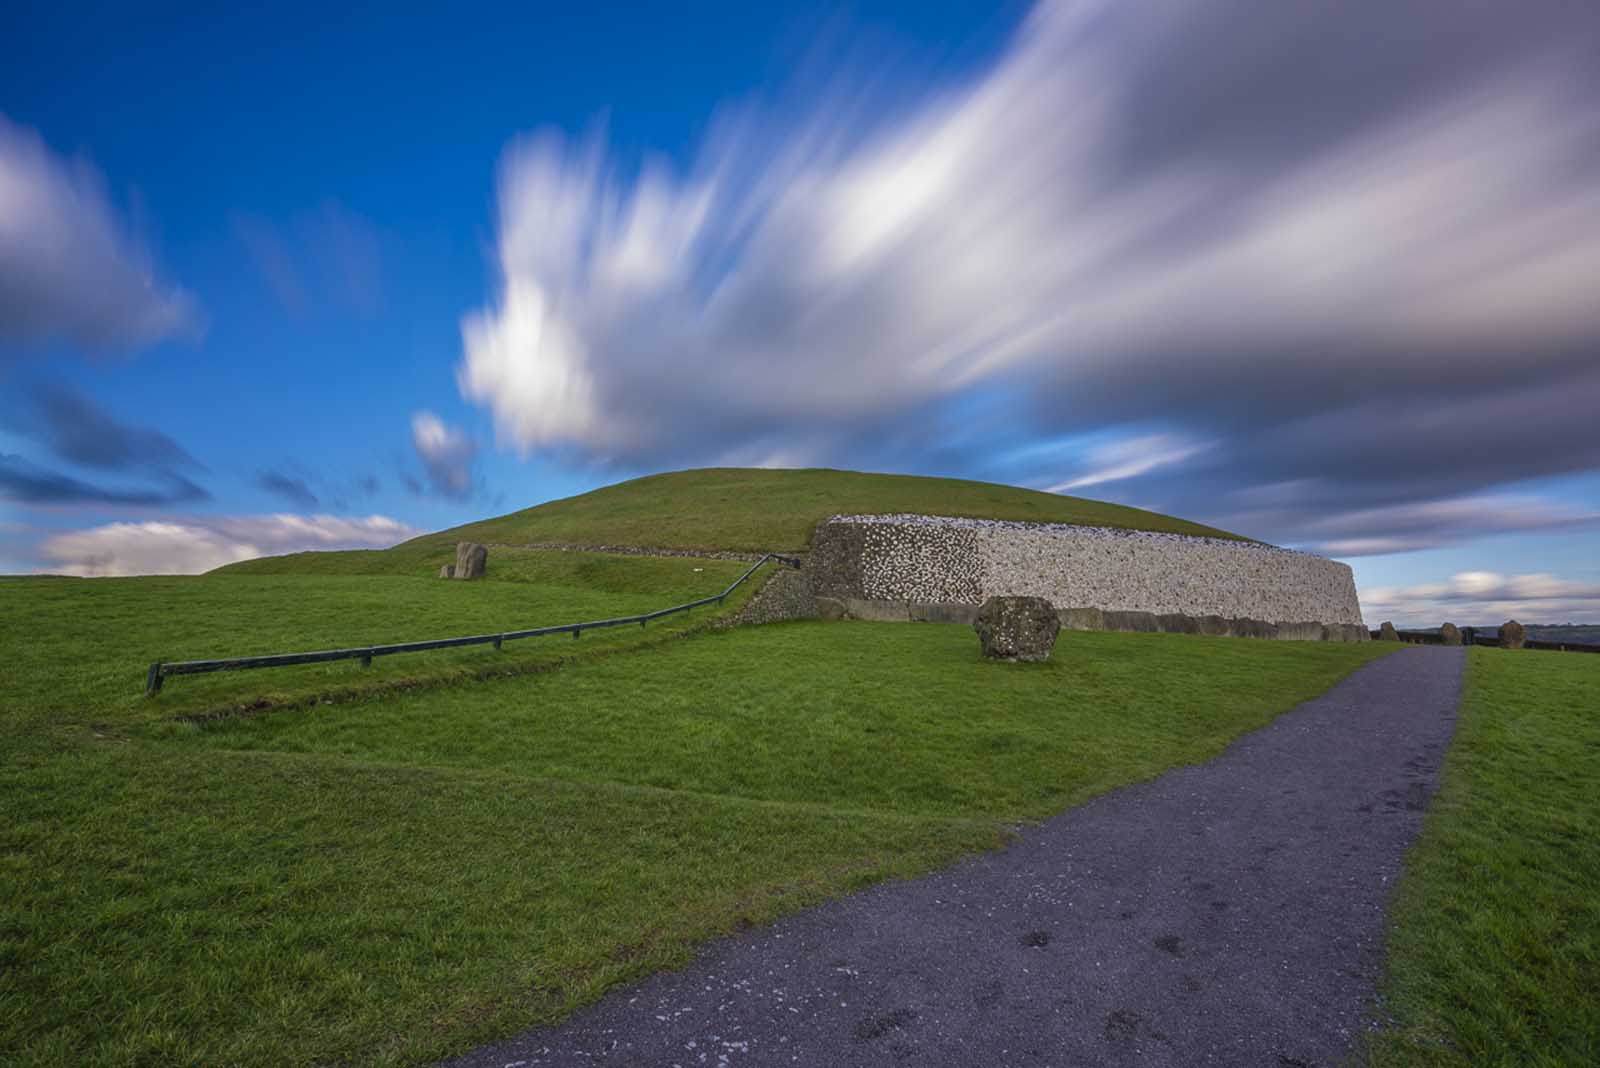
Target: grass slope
(758,510)
(79,647)
(390,881)
(1495,943)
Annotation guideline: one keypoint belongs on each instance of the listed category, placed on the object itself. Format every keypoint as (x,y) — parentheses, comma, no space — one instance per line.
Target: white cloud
(1484,598)
(823,277)
(69,267)
(1130,458)
(446,454)
(189,546)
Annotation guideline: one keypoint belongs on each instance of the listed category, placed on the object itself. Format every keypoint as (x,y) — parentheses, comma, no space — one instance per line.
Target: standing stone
(471,560)
(1387,633)
(1513,635)
(1017,628)
(447,571)
(1451,634)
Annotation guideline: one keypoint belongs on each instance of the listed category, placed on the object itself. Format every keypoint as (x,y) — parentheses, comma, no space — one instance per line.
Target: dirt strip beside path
(1229,913)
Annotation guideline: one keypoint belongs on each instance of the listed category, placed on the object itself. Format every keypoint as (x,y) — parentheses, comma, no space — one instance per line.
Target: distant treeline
(1588,633)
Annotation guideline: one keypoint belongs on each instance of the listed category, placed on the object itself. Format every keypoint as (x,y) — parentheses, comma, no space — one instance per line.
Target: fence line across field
(160,670)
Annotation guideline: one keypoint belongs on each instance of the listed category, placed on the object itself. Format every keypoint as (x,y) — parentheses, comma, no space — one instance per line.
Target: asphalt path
(1229,913)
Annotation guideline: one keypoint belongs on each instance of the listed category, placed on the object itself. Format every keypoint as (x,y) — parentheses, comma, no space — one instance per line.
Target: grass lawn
(1495,946)
(399,877)
(769,510)
(77,649)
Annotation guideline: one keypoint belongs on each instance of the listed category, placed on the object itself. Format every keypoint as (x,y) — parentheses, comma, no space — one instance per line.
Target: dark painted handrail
(160,670)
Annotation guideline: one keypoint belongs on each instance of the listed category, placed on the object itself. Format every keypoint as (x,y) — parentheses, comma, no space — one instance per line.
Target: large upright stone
(471,560)
(1513,635)
(1387,633)
(1017,628)
(1451,634)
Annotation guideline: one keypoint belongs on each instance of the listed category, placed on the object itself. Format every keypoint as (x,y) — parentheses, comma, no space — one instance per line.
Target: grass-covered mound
(754,510)
(397,878)
(757,509)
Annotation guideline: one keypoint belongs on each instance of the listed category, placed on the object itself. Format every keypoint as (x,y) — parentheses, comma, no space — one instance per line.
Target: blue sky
(271,282)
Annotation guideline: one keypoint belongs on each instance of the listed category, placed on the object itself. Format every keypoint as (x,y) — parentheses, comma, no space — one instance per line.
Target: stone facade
(785,595)
(903,565)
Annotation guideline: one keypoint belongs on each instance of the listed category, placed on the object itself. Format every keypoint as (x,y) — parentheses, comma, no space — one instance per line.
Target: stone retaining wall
(901,565)
(785,595)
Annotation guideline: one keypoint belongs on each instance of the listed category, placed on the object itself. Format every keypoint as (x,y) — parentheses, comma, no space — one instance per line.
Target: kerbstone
(1082,618)
(878,611)
(944,613)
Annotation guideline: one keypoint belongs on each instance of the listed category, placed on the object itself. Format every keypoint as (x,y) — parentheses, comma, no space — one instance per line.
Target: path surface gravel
(1229,913)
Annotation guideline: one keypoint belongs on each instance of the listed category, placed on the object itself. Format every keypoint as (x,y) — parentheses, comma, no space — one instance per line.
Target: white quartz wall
(940,559)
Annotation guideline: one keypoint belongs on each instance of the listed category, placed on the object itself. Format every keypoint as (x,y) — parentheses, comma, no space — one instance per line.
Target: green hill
(729,509)
(754,509)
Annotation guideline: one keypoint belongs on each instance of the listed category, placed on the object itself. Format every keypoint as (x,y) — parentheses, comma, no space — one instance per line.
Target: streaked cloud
(79,431)
(292,489)
(1346,258)
(326,256)
(1129,458)
(1410,527)
(27,483)
(191,545)
(447,455)
(70,267)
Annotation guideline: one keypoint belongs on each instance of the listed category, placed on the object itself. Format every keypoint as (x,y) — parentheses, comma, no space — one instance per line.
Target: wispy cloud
(447,455)
(294,490)
(1414,526)
(1318,241)
(69,266)
(187,546)
(1130,458)
(27,483)
(80,433)
(328,252)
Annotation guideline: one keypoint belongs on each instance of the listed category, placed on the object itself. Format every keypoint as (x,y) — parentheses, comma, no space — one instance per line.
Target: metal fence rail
(160,670)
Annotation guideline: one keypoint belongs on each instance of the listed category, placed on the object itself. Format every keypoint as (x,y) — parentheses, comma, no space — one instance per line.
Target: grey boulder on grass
(471,560)
(1017,628)
(1451,634)
(1387,633)
(1513,635)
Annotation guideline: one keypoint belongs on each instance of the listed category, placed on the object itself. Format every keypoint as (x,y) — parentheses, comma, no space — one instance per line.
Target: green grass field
(404,874)
(1495,947)
(82,645)
(762,510)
